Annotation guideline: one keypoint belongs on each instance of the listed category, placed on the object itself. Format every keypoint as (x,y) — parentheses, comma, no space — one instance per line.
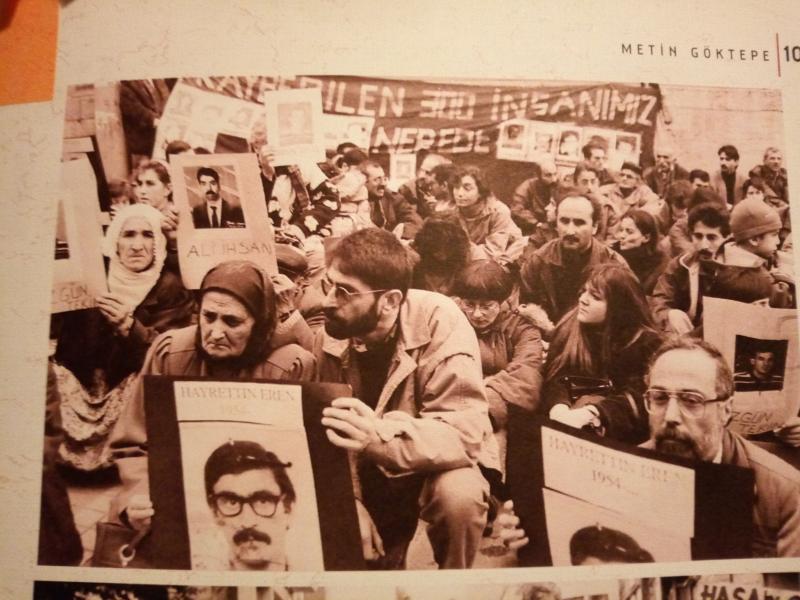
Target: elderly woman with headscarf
(234,339)
(98,350)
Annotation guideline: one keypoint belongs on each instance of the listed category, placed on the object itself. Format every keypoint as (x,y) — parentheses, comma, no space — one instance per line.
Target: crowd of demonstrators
(436,302)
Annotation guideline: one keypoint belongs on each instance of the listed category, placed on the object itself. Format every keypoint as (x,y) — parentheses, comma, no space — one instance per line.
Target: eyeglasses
(691,404)
(472,306)
(229,504)
(341,294)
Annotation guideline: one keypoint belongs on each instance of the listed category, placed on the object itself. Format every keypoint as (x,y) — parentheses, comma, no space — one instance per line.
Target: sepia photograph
(214,198)
(506,274)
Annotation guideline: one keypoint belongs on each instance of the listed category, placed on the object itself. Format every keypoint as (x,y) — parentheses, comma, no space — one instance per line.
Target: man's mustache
(671,441)
(250,534)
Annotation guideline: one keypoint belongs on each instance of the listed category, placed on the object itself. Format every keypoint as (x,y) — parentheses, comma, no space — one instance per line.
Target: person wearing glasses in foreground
(233,339)
(688,400)
(418,422)
(251,496)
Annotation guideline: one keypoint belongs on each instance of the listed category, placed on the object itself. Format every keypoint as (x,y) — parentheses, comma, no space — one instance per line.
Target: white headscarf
(129,286)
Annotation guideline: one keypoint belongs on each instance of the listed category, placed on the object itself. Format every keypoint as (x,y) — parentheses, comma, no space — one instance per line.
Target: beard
(359,327)
(671,441)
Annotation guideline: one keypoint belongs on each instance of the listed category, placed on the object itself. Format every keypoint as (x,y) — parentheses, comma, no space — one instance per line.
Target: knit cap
(752,217)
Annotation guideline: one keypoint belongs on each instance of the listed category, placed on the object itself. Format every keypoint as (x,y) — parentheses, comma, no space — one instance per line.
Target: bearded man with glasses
(689,397)
(418,423)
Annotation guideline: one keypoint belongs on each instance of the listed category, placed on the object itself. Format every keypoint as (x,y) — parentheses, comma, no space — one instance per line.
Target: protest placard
(582,533)
(78,272)
(512,142)
(760,345)
(200,117)
(649,490)
(294,126)
(402,169)
(242,477)
(627,148)
(223,214)
(575,489)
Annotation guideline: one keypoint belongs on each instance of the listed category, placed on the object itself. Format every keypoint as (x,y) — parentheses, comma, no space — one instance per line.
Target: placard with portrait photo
(760,345)
(512,141)
(222,213)
(294,125)
(242,477)
(640,505)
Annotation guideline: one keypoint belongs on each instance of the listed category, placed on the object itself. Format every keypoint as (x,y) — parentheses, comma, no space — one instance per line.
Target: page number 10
(792,53)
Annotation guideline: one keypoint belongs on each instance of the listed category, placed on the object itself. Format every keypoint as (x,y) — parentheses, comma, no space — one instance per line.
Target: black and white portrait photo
(214,198)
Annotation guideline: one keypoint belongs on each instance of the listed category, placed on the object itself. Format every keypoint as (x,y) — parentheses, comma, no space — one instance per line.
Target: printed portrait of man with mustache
(251,497)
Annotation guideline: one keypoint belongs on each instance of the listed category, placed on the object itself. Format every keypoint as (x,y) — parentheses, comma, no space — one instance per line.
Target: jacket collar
(552,252)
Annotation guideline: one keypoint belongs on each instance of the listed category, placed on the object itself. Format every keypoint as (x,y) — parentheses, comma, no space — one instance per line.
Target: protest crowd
(452,312)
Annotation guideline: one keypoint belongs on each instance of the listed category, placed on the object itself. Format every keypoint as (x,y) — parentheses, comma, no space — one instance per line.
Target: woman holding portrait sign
(98,350)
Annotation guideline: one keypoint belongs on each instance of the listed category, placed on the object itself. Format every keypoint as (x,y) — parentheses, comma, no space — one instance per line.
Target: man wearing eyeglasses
(690,387)
(418,423)
(251,496)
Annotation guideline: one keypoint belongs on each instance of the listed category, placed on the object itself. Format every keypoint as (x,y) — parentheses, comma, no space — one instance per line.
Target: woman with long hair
(598,357)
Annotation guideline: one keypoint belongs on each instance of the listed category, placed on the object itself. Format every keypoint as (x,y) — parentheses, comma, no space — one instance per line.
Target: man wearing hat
(743,265)
(251,497)
(233,339)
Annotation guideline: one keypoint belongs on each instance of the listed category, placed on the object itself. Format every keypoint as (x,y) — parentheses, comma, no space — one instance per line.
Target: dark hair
(699,174)
(608,545)
(723,376)
(459,172)
(627,315)
(208,171)
(711,215)
(176,147)
(587,149)
(443,172)
(235,457)
(443,235)
(572,192)
(158,168)
(581,167)
(704,196)
(646,224)
(729,150)
(631,167)
(484,280)
(344,147)
(755,182)
(375,256)
(353,157)
(678,193)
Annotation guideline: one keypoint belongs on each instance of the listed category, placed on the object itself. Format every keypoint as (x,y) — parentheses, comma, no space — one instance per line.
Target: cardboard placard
(243,231)
(294,126)
(190,420)
(760,345)
(720,514)
(201,118)
(78,273)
